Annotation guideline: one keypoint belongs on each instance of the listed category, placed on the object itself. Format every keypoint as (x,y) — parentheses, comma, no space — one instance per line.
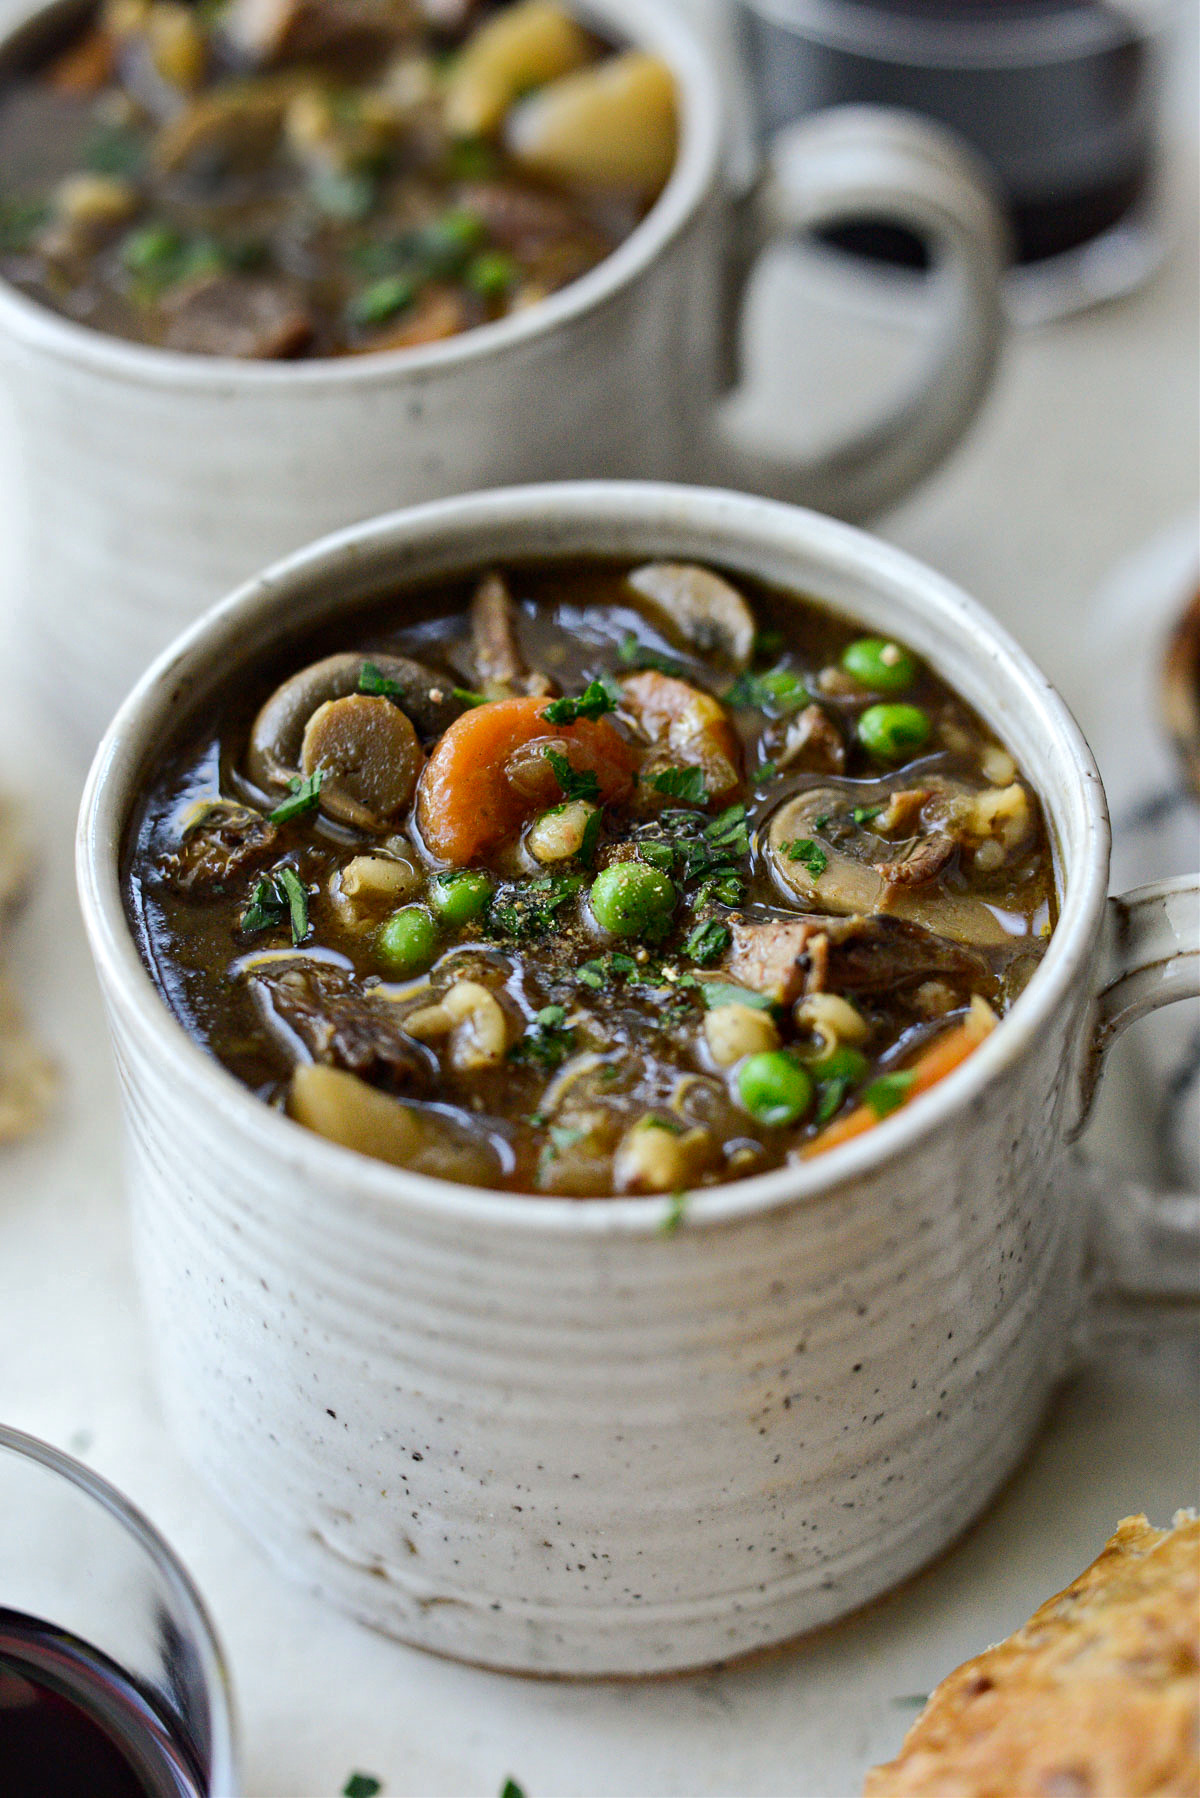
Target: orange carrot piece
(933,1064)
(465,802)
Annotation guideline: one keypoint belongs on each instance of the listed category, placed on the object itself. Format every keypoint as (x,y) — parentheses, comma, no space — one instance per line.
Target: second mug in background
(152,481)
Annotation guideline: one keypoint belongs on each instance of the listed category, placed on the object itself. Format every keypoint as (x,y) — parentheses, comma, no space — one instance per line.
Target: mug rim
(583,507)
(654,24)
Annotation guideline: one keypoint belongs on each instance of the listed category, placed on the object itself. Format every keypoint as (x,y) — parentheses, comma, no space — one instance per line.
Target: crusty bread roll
(1097,1696)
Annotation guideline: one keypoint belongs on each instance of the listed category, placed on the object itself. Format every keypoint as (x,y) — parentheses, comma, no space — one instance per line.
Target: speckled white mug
(539,1433)
(153,482)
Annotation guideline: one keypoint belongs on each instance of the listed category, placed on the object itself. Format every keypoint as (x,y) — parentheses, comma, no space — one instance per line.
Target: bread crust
(1097,1696)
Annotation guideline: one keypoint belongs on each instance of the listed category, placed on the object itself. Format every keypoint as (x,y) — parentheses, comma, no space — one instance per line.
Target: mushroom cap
(273,756)
(847,886)
(707,610)
(369,755)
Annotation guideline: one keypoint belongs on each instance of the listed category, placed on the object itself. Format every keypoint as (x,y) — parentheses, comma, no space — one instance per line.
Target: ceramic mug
(539,1433)
(154,481)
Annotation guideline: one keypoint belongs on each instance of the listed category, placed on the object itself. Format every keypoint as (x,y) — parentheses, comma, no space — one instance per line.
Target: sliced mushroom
(369,755)
(611,127)
(500,668)
(705,609)
(273,757)
(346,1110)
(236,315)
(834,880)
(232,129)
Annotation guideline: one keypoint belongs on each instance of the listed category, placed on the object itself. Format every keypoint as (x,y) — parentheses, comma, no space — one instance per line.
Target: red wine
(74,1725)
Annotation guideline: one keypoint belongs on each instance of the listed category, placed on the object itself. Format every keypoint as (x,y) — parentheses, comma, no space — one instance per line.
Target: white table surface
(1087,453)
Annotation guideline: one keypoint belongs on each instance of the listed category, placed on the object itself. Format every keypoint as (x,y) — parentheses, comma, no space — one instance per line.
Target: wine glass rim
(221,1774)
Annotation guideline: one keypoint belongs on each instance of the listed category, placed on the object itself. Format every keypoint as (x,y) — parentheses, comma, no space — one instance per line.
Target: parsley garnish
(687,784)
(768,642)
(831,1094)
(778,692)
(707,942)
(466,697)
(371,679)
(547,1042)
(510,1789)
(634,654)
(811,854)
(598,973)
(675,1212)
(278,896)
(591,834)
(362,1785)
(530,910)
(764,772)
(720,992)
(562,1137)
(889,1092)
(862,814)
(598,697)
(727,889)
(305,797)
(659,855)
(576,783)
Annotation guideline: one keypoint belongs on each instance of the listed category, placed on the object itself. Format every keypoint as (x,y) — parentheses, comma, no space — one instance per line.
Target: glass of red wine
(112,1682)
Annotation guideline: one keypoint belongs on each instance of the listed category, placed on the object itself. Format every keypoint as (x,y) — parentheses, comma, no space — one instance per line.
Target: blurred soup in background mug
(156,473)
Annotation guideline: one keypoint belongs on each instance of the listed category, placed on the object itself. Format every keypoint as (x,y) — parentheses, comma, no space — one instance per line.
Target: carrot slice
(942,1056)
(466,803)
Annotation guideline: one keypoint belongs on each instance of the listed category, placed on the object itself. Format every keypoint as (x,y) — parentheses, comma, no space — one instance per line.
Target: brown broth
(644,1023)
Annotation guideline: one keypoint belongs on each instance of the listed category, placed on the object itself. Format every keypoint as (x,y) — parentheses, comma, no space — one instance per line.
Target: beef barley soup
(283,178)
(588,879)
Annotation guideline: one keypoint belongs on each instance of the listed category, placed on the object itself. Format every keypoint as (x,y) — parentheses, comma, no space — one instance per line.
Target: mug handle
(1145,1242)
(867,162)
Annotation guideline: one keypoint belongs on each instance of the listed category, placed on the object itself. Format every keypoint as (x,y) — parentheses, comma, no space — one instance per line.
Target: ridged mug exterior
(542,1434)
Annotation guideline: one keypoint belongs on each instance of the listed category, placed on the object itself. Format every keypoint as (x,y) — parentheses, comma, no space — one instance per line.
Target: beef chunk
(321,1006)
(232,315)
(845,955)
(813,741)
(229,842)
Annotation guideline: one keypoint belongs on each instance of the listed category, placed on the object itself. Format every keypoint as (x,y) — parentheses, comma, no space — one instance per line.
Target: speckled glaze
(154,482)
(540,1433)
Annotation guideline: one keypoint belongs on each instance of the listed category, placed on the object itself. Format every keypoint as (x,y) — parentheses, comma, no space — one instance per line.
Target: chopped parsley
(562,1137)
(372,680)
(305,797)
(362,1785)
(510,1789)
(830,1095)
(889,1092)
(659,855)
(707,942)
(597,974)
(780,691)
(765,771)
(810,854)
(113,150)
(466,697)
(687,784)
(20,221)
(547,1042)
(768,642)
(675,1213)
(591,836)
(721,992)
(863,814)
(727,889)
(532,908)
(632,653)
(597,698)
(576,783)
(278,897)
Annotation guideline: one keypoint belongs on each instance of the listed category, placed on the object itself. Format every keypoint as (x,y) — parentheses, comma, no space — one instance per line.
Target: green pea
(491,274)
(842,1063)
(890,731)
(459,898)
(406,942)
(880,664)
(632,899)
(774,1088)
